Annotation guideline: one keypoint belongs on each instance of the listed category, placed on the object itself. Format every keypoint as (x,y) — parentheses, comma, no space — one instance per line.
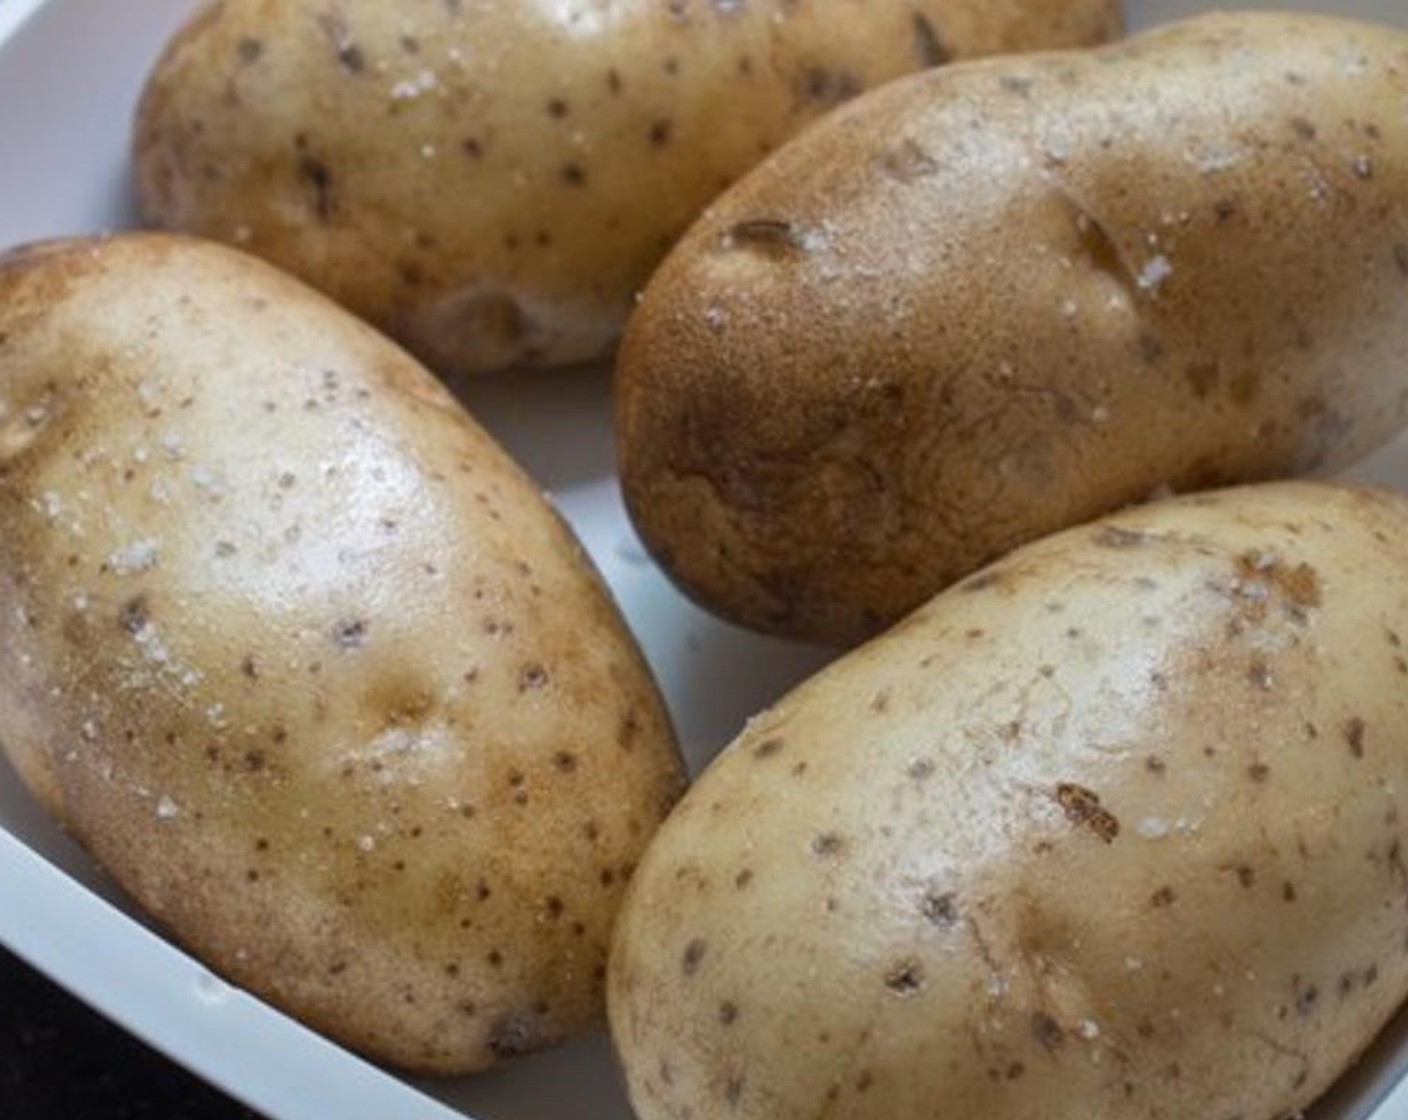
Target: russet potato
(988,302)
(307,663)
(491,181)
(1112,829)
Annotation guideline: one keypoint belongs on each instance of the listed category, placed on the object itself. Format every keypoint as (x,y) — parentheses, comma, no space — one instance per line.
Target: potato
(987,303)
(1112,829)
(302,657)
(493,182)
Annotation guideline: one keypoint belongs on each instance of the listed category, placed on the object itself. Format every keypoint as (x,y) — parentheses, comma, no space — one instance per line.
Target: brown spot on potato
(660,133)
(1112,536)
(565,762)
(1354,736)
(693,956)
(557,108)
(350,633)
(1246,876)
(512,1036)
(1258,772)
(351,58)
(828,845)
(769,236)
(1082,807)
(768,748)
(249,50)
(573,175)
(1288,891)
(319,176)
(135,615)
(1163,897)
(928,43)
(1047,1031)
(532,677)
(829,87)
(1259,675)
(980,582)
(907,162)
(905,978)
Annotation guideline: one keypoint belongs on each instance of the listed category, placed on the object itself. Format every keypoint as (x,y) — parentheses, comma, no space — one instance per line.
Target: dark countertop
(59,1060)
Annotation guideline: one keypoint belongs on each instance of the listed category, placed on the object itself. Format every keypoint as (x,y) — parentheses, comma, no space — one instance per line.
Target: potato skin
(1110,831)
(492,182)
(987,303)
(305,660)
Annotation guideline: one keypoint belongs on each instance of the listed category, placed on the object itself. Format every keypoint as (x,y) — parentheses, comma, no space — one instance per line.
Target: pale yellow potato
(302,657)
(491,181)
(986,303)
(1110,831)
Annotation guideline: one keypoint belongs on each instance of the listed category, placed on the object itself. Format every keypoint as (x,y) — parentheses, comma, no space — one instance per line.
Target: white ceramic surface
(70,71)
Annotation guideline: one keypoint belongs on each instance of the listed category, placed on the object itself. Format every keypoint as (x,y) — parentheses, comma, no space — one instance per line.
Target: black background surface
(59,1060)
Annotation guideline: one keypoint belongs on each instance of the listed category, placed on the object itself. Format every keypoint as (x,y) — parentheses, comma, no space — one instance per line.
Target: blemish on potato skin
(351,58)
(907,162)
(512,1036)
(1047,1032)
(1354,736)
(1259,675)
(249,50)
(928,43)
(829,87)
(693,956)
(350,633)
(768,748)
(1112,536)
(1082,807)
(1163,898)
(828,845)
(1258,772)
(135,614)
(317,174)
(771,236)
(981,582)
(905,978)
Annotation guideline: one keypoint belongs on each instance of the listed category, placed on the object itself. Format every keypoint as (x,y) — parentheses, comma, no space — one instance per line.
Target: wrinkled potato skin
(991,302)
(493,181)
(1110,831)
(305,661)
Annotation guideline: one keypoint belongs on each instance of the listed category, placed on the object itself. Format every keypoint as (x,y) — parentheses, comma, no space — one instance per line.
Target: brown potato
(492,182)
(305,660)
(986,303)
(1112,829)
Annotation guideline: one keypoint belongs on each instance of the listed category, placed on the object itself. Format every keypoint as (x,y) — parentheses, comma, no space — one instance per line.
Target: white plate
(70,71)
